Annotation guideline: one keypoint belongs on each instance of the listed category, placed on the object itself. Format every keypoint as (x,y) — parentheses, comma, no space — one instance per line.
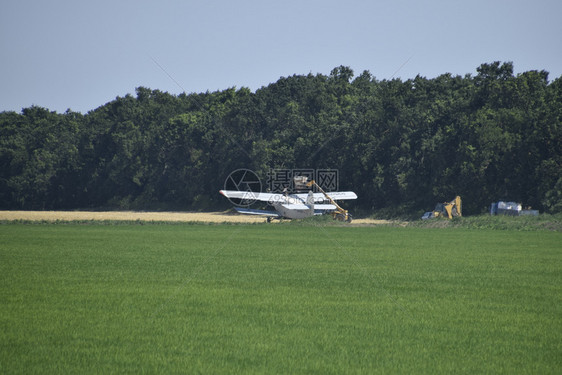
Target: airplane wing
(252,196)
(280,198)
(324,207)
(250,211)
(335,195)
(296,206)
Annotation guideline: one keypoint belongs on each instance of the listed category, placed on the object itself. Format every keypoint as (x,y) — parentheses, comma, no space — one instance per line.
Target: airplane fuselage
(292,213)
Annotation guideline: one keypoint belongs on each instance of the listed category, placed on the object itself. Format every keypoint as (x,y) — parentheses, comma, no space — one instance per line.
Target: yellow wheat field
(206,217)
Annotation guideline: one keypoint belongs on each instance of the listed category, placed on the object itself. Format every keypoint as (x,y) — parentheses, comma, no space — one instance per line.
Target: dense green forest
(400,145)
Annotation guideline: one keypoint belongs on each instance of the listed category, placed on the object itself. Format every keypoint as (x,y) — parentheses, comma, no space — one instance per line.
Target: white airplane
(294,206)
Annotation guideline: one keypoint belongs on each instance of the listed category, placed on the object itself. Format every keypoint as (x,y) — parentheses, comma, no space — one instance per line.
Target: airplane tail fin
(310,199)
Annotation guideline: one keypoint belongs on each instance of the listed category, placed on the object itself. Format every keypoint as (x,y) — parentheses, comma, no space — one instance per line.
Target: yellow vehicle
(448,209)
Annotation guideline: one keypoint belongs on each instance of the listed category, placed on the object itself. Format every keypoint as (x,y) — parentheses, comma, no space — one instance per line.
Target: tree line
(400,145)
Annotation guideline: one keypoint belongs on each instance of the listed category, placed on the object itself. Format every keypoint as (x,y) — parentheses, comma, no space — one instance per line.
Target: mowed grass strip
(278,299)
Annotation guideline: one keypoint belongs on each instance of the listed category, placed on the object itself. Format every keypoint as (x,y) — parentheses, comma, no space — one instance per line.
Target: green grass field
(287,299)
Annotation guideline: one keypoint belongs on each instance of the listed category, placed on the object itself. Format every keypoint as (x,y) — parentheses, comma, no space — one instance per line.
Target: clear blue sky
(79,54)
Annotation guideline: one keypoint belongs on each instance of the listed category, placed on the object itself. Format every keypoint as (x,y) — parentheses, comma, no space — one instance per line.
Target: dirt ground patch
(206,217)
